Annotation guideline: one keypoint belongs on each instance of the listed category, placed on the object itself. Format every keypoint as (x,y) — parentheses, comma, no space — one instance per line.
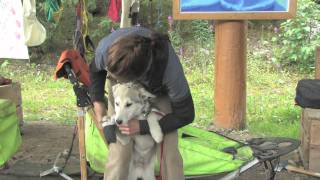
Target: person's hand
(133,127)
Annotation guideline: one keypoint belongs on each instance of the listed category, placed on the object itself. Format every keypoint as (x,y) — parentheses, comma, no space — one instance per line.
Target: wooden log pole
(230,74)
(317,63)
(82,147)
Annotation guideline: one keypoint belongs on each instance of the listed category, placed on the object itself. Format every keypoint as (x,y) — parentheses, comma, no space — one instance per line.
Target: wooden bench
(310,139)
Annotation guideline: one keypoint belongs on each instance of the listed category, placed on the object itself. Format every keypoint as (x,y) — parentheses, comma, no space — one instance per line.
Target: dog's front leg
(155,129)
(123,139)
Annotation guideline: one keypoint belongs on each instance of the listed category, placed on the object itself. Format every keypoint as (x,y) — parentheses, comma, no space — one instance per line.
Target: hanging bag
(34,31)
(308,93)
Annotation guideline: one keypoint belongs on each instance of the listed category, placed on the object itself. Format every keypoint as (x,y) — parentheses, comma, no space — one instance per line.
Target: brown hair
(130,56)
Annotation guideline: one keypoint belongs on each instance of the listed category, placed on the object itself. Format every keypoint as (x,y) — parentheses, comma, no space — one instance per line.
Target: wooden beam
(317,63)
(234,15)
(82,146)
(230,74)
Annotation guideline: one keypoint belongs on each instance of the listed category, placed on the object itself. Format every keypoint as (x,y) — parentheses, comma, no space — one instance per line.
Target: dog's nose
(119,121)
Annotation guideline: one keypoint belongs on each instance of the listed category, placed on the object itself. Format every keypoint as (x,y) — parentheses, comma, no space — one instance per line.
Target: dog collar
(145,113)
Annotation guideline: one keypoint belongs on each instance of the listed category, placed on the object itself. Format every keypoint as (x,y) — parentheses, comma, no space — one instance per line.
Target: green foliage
(154,14)
(317,1)
(176,39)
(202,31)
(298,37)
(4,64)
(198,33)
(104,28)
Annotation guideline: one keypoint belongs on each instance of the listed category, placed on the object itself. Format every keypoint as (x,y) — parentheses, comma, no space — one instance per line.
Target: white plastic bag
(34,31)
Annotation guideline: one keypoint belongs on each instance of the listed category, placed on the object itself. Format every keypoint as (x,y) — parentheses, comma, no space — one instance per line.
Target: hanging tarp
(202,151)
(12,39)
(10,140)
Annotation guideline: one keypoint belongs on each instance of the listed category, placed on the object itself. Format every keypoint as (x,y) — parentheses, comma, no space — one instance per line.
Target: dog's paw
(157,136)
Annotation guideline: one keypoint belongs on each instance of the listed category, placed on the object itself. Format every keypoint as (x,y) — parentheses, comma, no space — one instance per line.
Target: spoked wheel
(272,148)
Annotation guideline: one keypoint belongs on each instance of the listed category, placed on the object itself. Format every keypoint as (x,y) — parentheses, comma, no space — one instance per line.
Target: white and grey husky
(132,101)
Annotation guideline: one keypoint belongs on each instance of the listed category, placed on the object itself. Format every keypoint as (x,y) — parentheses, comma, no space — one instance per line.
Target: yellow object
(57,15)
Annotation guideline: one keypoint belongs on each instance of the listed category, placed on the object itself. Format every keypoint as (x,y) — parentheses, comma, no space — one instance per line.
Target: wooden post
(230,74)
(82,147)
(317,63)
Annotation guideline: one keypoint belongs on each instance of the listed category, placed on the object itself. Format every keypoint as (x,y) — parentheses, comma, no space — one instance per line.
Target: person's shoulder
(113,36)
(131,30)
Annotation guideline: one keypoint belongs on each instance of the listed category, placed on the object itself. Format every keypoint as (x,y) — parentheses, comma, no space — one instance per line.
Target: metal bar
(242,169)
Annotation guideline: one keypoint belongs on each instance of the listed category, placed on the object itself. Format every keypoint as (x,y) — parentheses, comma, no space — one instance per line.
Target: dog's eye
(117,104)
(128,104)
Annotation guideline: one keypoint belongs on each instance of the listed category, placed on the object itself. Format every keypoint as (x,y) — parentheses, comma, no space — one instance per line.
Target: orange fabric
(78,65)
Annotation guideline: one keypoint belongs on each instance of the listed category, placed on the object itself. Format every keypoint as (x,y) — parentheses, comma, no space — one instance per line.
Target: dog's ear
(145,94)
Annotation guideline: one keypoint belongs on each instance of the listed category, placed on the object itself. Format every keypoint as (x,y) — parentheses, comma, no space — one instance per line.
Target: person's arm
(99,110)
(96,90)
(182,115)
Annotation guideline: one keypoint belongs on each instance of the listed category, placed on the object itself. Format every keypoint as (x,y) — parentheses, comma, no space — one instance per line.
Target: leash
(161,160)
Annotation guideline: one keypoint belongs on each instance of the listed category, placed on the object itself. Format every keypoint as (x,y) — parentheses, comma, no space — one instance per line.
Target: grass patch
(43,98)
(271,110)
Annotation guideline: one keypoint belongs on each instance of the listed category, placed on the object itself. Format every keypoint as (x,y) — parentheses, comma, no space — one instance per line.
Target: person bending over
(147,57)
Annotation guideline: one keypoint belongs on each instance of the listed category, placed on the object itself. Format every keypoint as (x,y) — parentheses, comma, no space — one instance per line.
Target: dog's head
(130,101)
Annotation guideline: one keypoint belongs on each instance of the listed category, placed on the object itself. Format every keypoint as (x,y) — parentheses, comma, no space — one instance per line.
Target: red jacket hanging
(78,65)
(114,10)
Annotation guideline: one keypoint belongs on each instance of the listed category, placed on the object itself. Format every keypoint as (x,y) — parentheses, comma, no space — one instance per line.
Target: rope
(81,37)
(161,162)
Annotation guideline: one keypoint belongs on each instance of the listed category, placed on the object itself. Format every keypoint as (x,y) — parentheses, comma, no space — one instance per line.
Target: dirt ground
(42,141)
